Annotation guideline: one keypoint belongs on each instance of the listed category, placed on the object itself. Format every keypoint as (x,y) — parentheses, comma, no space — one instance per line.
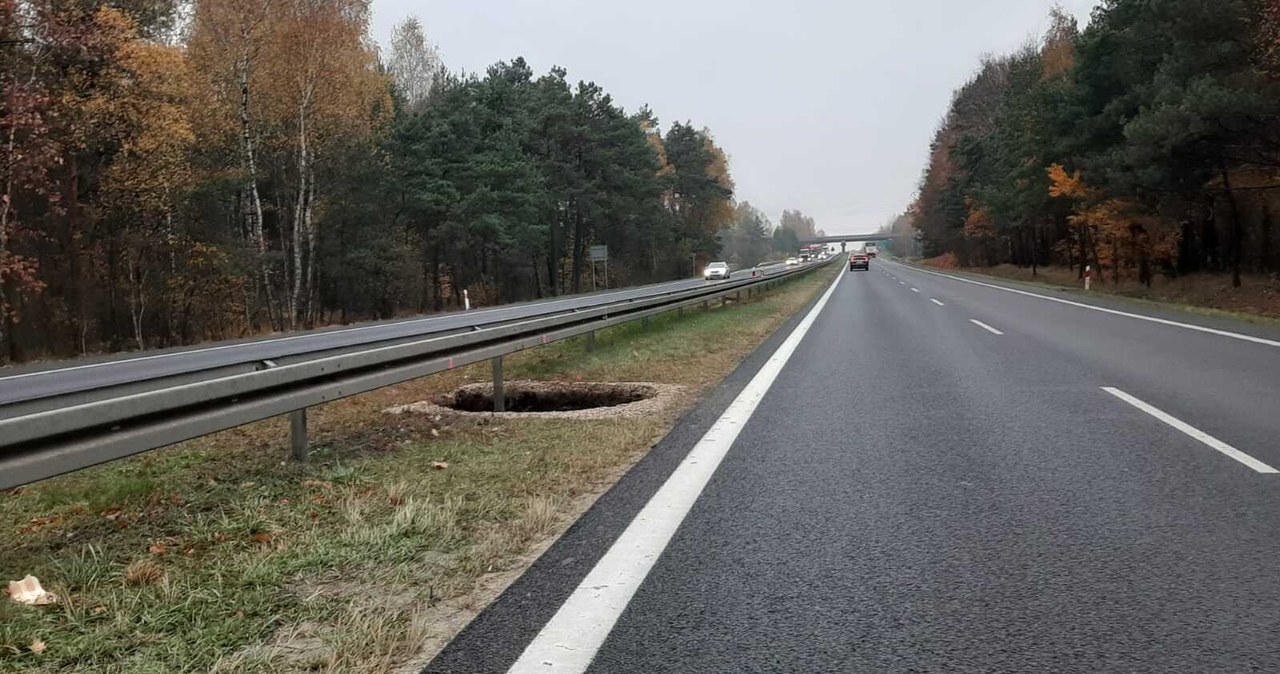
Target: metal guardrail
(60,439)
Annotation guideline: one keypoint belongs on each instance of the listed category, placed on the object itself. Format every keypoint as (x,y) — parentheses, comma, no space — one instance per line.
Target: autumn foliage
(1144,144)
(176,172)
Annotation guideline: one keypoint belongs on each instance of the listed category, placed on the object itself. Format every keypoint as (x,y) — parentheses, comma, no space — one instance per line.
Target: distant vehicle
(791,261)
(872,249)
(717,270)
(859,261)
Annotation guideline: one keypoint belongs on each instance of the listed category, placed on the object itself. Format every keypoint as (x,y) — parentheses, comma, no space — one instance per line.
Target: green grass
(217,555)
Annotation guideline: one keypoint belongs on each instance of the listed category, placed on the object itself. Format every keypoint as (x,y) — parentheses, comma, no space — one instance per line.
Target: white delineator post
(466,300)
(1088,274)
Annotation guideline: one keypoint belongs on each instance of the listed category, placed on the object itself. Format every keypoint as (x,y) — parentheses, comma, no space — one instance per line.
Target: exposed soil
(553,400)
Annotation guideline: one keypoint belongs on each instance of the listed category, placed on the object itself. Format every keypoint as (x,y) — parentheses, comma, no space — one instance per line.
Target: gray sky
(822,105)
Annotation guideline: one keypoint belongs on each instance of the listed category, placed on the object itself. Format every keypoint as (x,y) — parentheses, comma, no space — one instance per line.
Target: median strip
(217,556)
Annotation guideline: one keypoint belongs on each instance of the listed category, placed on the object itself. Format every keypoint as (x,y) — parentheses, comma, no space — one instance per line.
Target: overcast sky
(825,106)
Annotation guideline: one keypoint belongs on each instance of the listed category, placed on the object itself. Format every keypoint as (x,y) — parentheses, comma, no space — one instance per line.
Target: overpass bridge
(844,239)
(849,238)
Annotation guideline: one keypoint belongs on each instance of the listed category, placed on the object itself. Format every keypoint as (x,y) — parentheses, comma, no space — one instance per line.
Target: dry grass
(218,555)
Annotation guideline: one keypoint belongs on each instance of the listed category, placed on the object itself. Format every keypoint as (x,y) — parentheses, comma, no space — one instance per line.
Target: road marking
(1192,431)
(937,302)
(1116,312)
(902,283)
(984,326)
(570,640)
(915,290)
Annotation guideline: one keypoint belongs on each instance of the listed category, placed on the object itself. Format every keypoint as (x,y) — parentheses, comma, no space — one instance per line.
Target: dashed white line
(902,283)
(915,290)
(937,302)
(984,326)
(1192,431)
(1115,312)
(570,640)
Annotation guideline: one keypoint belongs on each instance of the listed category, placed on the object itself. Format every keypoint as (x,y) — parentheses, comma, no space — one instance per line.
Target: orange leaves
(1068,185)
(979,223)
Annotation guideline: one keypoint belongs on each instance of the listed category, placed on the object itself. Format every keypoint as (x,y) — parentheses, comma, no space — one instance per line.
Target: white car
(716,270)
(791,261)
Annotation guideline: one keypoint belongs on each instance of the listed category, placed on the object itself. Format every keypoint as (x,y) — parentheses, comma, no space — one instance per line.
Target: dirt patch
(552,400)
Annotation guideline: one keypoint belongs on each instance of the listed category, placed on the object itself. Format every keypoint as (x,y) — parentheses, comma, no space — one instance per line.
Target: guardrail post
(591,342)
(499,391)
(298,435)
(644,323)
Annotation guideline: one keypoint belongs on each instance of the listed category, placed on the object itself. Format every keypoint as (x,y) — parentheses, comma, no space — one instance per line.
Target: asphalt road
(55,379)
(950,477)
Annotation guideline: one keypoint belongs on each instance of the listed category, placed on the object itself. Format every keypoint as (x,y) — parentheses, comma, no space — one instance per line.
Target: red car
(859,261)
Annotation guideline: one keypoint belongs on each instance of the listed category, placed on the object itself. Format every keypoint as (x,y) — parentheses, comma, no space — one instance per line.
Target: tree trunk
(243,67)
(1264,241)
(6,218)
(1235,225)
(578,226)
(1115,260)
(537,278)
(300,234)
(1084,249)
(1035,249)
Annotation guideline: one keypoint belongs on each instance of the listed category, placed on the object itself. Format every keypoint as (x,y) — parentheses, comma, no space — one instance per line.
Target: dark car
(859,261)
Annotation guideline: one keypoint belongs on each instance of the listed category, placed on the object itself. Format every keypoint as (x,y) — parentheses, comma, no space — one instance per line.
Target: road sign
(599,253)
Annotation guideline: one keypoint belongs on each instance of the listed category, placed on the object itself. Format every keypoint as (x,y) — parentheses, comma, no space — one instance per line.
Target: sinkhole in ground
(534,397)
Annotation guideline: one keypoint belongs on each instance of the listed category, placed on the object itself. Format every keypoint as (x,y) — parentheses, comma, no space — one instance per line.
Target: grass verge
(219,556)
(1256,301)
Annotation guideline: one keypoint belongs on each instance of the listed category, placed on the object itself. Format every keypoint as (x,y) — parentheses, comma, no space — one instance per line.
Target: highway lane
(918,493)
(36,382)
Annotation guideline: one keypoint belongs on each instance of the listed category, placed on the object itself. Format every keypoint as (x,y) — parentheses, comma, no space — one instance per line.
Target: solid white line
(570,640)
(937,302)
(915,290)
(984,326)
(1116,312)
(1192,431)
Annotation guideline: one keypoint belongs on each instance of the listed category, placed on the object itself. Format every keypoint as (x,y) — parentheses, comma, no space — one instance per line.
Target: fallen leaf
(262,537)
(439,465)
(112,514)
(99,610)
(38,647)
(189,551)
(435,433)
(29,592)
